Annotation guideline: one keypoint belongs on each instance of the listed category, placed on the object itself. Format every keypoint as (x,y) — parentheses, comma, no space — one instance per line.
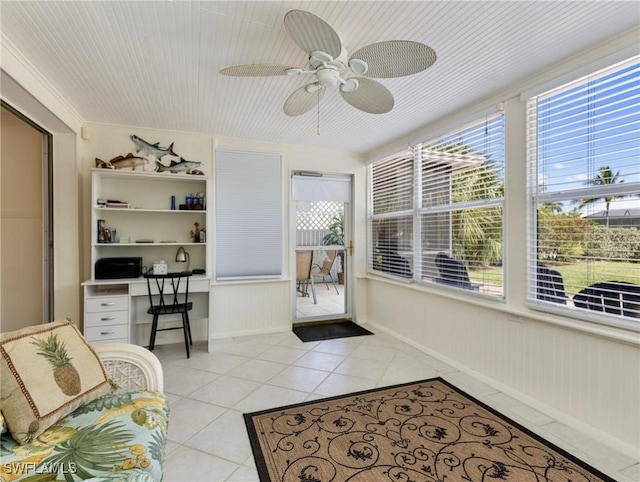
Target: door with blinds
(320,258)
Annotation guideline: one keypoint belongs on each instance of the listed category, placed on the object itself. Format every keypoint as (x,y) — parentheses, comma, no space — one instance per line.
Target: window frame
(419,209)
(537,197)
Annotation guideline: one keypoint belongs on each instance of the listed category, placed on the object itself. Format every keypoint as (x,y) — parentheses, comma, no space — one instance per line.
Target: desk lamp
(182,256)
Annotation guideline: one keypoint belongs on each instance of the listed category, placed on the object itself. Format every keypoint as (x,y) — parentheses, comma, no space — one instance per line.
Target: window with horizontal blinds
(248,215)
(461,180)
(437,210)
(391,188)
(584,185)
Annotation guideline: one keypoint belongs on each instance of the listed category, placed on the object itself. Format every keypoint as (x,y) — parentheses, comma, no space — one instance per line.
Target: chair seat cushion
(116,437)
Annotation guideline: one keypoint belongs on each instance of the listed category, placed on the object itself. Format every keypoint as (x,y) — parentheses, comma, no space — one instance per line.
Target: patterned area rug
(423,431)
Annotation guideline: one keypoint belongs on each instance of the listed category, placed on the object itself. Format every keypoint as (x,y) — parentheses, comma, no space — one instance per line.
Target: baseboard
(597,434)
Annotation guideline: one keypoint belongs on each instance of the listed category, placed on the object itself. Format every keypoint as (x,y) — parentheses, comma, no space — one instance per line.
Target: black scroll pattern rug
(423,431)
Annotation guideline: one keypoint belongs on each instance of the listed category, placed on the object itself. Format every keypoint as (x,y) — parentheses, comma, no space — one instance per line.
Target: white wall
(584,374)
(262,307)
(236,308)
(29,92)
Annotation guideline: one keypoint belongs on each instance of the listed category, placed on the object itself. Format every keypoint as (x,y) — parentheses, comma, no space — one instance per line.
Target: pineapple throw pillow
(46,372)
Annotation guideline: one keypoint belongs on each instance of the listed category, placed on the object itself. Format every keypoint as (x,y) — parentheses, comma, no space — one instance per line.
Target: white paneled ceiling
(155,63)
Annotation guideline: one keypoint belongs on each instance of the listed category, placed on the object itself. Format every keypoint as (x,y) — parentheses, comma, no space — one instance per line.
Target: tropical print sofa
(118,436)
(110,438)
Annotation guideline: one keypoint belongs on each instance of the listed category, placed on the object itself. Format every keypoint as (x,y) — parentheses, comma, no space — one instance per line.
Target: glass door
(320,258)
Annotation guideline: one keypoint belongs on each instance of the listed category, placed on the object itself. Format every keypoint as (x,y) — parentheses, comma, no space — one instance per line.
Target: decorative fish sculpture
(152,149)
(120,162)
(183,165)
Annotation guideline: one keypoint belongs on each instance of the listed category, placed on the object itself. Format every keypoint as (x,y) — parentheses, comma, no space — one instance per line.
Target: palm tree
(605,177)
(477,233)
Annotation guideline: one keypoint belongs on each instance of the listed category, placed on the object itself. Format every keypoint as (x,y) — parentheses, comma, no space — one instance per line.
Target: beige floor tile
(233,446)
(188,465)
(299,378)
(225,391)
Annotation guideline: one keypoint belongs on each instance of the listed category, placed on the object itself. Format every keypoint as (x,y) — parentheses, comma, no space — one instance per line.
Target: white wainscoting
(584,380)
(249,308)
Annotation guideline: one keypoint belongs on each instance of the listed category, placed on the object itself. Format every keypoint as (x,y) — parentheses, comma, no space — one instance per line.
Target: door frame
(47,212)
(348,264)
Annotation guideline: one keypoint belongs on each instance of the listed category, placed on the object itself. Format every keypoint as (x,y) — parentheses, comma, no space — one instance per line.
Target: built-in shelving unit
(148,217)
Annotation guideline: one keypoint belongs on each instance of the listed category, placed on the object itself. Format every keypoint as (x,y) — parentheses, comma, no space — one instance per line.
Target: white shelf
(146,210)
(150,175)
(141,245)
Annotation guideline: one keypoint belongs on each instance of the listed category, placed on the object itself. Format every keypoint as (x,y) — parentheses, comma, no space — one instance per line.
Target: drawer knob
(107,304)
(107,332)
(107,318)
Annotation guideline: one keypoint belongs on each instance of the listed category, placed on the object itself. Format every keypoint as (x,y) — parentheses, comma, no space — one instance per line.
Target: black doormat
(329,331)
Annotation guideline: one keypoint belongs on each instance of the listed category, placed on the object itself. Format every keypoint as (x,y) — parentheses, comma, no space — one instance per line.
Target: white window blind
(321,188)
(391,189)
(461,215)
(248,215)
(584,185)
(436,210)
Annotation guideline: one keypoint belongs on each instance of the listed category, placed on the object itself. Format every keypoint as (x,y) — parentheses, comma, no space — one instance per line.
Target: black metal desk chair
(167,298)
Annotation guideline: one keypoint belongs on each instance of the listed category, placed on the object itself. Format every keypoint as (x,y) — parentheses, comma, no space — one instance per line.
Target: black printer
(116,268)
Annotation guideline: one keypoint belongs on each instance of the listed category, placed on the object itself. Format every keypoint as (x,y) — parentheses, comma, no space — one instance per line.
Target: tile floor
(328,302)
(209,392)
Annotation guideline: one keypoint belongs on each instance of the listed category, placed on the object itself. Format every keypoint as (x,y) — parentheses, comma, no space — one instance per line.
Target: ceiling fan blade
(370,96)
(311,33)
(395,58)
(301,100)
(256,70)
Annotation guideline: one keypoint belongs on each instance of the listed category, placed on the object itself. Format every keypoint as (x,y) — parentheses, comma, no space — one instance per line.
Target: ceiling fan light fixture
(321,56)
(313,88)
(327,78)
(359,67)
(350,85)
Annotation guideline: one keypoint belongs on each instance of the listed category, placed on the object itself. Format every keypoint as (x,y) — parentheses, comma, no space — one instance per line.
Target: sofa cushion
(47,371)
(116,437)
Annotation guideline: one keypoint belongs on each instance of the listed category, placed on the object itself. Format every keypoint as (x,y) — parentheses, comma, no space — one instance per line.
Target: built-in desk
(116,310)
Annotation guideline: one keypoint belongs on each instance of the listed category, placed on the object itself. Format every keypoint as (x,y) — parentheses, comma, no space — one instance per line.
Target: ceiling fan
(329,65)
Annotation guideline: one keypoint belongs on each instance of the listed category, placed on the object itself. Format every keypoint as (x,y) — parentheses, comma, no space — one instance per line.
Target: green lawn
(576,276)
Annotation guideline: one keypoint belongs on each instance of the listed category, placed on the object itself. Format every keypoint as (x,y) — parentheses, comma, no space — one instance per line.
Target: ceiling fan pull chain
(318,126)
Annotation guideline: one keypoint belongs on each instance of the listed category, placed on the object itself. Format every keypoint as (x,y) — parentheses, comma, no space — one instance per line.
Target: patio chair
(304,260)
(614,297)
(550,286)
(323,271)
(452,272)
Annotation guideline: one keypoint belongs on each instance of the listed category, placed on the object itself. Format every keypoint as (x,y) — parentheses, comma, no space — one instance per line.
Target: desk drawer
(106,318)
(196,285)
(107,303)
(106,333)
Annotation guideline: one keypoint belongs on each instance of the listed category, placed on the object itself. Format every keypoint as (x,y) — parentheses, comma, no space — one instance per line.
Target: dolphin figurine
(174,167)
(152,149)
